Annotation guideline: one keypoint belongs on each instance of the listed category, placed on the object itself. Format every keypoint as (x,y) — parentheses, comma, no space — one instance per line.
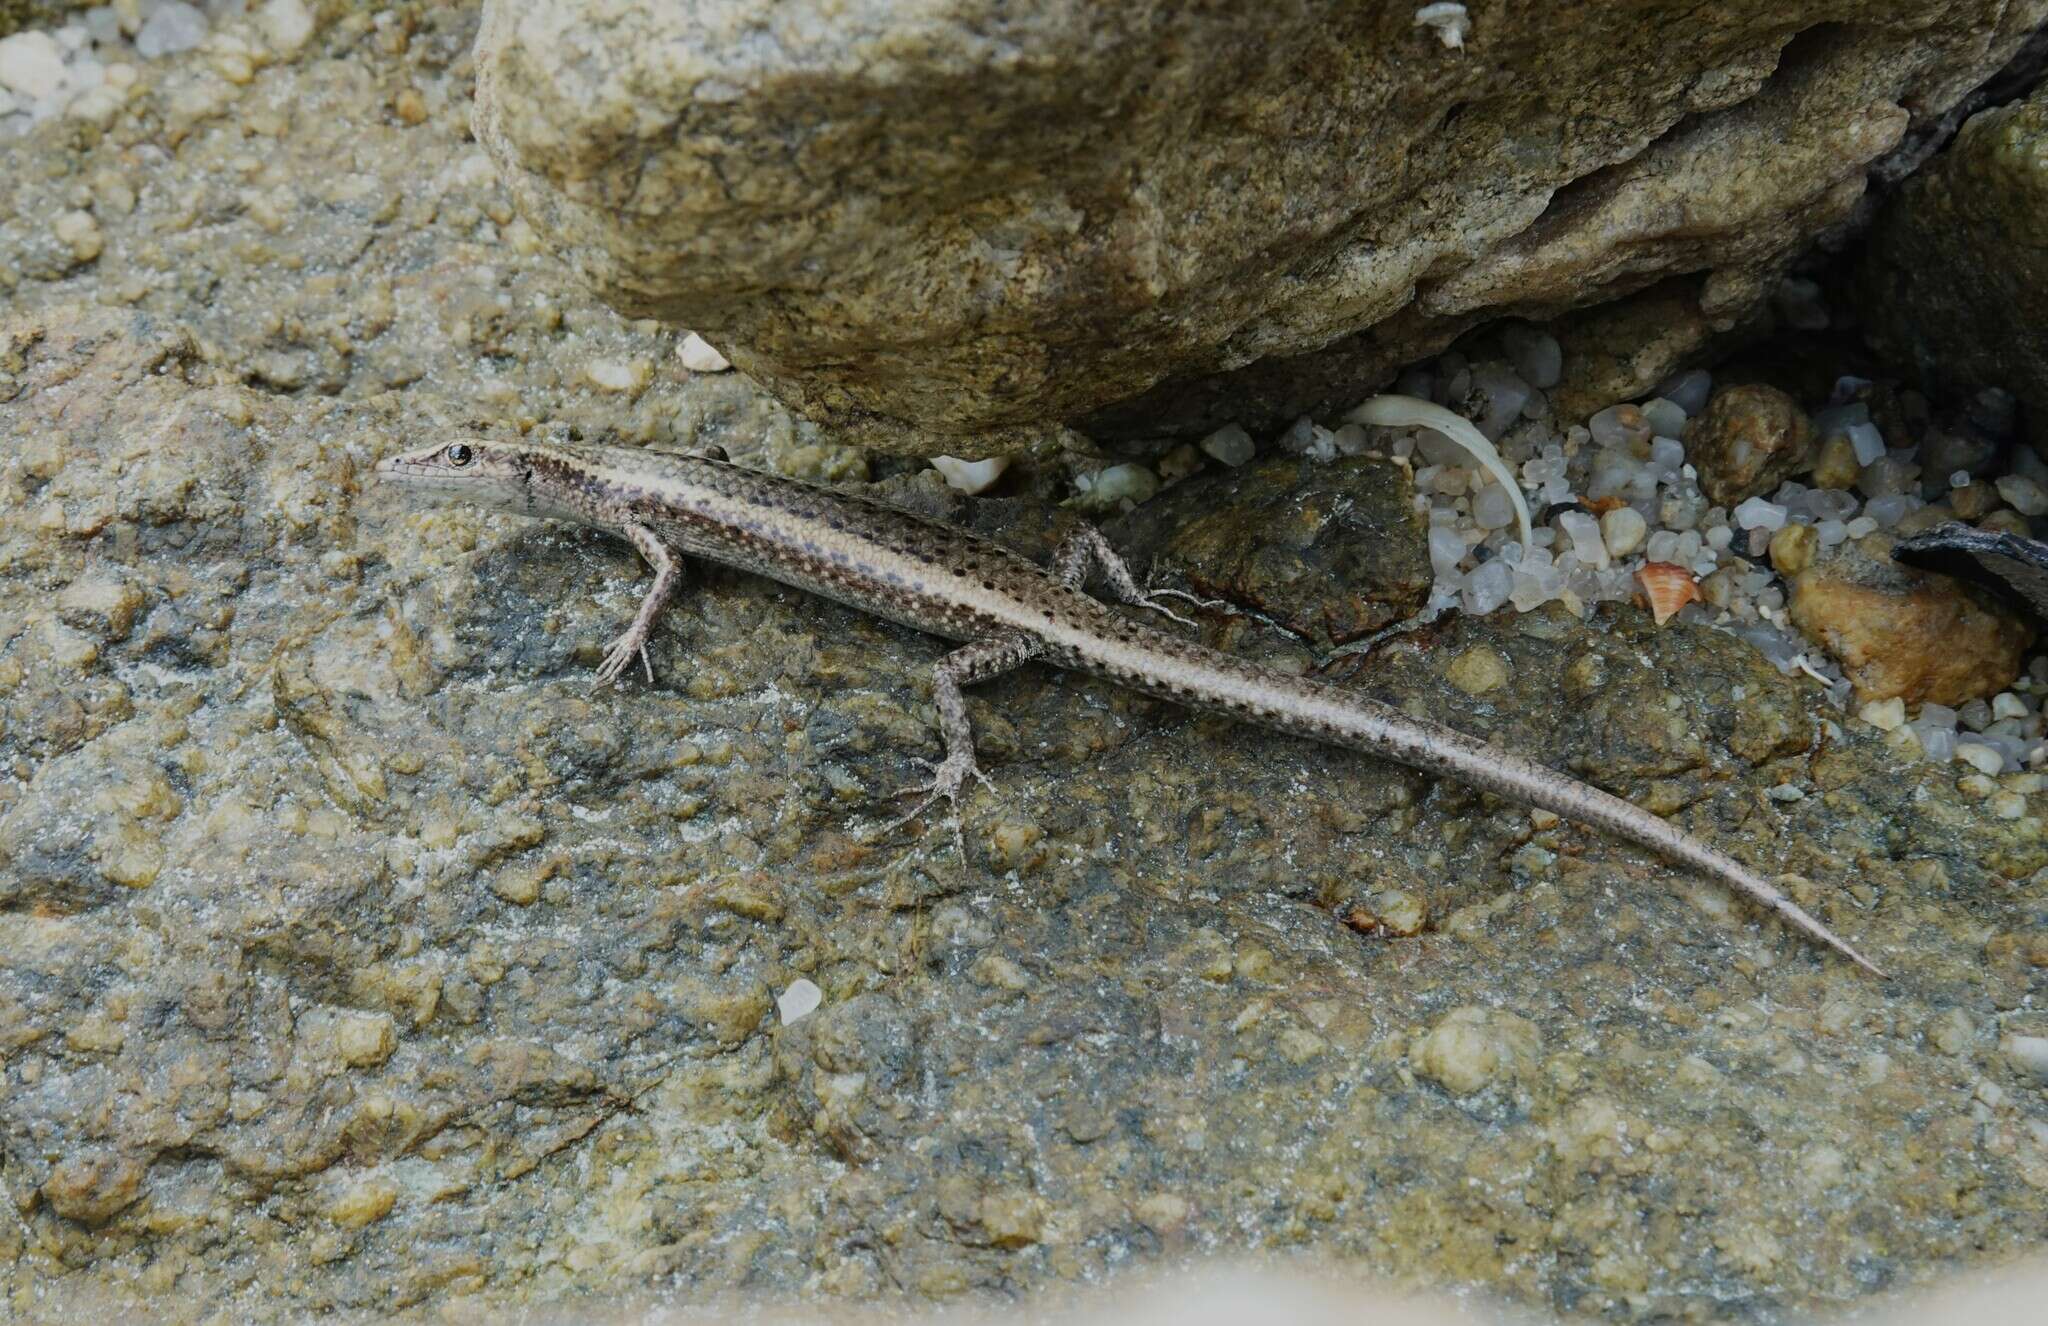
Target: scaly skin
(950,583)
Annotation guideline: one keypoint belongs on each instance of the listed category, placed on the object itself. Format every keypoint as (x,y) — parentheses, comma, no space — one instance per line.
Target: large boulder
(960,225)
(1954,284)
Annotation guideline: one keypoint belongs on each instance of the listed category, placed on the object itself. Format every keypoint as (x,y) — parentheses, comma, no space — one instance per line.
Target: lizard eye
(460,455)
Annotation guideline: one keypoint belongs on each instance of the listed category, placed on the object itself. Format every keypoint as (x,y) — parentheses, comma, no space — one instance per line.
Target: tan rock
(975,220)
(1907,634)
(1748,440)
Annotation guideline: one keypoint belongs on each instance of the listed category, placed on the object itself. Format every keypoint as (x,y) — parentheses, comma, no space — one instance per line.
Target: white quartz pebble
(1623,531)
(700,356)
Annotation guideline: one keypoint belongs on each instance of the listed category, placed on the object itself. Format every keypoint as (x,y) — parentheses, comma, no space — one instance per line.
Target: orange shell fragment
(1668,587)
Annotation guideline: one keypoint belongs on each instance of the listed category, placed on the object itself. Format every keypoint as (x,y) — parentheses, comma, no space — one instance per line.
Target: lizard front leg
(1085,550)
(965,666)
(668,577)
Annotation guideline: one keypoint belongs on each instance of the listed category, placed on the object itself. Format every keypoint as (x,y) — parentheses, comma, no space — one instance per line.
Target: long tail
(1442,750)
(1202,678)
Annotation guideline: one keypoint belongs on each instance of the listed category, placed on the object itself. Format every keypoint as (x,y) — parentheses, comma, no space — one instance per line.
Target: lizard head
(474,470)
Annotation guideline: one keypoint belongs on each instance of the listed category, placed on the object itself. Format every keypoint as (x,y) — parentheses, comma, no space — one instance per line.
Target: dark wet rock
(987,224)
(1900,632)
(2013,564)
(1331,552)
(1749,439)
(1954,285)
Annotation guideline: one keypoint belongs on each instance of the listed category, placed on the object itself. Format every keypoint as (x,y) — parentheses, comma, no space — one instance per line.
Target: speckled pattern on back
(943,580)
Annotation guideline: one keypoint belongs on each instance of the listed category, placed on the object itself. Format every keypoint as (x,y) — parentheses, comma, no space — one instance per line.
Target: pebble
(1492,508)
(1756,513)
(31,65)
(1985,759)
(2029,1054)
(699,356)
(2023,494)
(1884,715)
(1109,489)
(1689,390)
(1793,548)
(627,375)
(1665,417)
(1478,671)
(1472,1047)
(286,24)
(1229,445)
(799,1001)
(971,476)
(1450,21)
(1913,637)
(408,105)
(1391,911)
(1584,532)
(1619,425)
(1489,586)
(1623,531)
(1749,439)
(81,234)
(1867,442)
(171,27)
(1951,1032)
(1836,465)
(1973,501)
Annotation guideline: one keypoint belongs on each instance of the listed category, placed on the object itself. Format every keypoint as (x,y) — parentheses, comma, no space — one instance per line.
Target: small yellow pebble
(1478,670)
(1793,548)
(410,106)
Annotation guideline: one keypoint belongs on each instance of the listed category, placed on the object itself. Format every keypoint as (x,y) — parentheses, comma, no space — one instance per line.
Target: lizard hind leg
(965,666)
(1086,550)
(668,577)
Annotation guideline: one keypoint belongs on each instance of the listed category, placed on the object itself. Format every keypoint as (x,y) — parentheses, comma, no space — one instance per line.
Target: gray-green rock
(1954,284)
(358,958)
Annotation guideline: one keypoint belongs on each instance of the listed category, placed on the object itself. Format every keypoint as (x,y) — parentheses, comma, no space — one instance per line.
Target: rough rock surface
(1330,552)
(1749,439)
(977,222)
(1902,633)
(356,955)
(17,14)
(1954,285)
